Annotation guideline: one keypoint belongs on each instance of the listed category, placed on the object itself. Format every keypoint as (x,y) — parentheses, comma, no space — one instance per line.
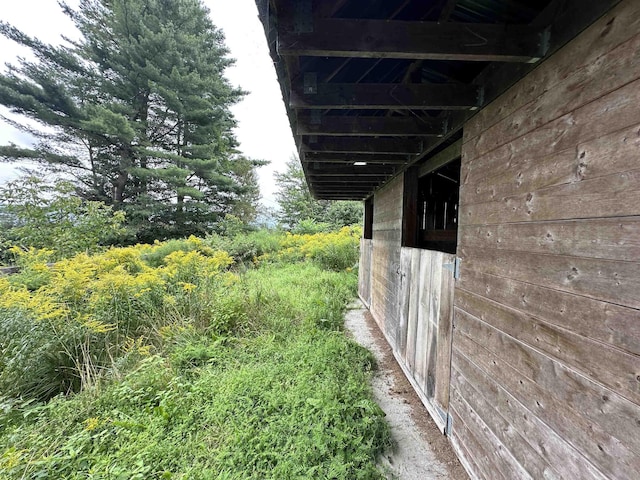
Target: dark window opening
(368,218)
(437,209)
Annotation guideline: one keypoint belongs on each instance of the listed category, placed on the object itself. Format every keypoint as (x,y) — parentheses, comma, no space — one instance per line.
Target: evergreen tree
(297,205)
(137,111)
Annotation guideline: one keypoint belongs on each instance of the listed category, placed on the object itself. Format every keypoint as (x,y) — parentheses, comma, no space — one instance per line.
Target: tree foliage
(137,112)
(41,215)
(302,213)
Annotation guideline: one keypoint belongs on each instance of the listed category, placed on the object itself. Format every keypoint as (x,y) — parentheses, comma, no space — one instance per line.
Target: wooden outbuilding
(496,145)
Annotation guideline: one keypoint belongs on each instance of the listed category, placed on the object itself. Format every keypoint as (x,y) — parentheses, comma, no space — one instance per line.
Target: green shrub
(43,215)
(34,271)
(310,227)
(246,248)
(156,257)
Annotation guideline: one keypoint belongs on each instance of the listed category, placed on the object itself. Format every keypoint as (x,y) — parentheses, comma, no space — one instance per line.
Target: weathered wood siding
(423,330)
(546,343)
(385,268)
(410,295)
(364,273)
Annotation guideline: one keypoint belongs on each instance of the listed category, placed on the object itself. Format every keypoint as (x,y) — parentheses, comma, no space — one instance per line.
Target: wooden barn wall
(546,342)
(409,293)
(385,265)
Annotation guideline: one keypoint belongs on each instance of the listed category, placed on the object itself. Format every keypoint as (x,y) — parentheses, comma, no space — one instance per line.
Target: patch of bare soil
(421,451)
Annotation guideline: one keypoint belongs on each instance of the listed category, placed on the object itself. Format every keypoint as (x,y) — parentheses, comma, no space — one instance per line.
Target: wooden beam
(447,10)
(410,208)
(350,158)
(362,145)
(440,159)
(353,180)
(342,195)
(349,170)
(375,176)
(334,37)
(566,18)
(343,189)
(356,180)
(419,96)
(372,126)
(345,196)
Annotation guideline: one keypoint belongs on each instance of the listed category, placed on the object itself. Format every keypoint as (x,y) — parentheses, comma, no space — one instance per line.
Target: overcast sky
(263,129)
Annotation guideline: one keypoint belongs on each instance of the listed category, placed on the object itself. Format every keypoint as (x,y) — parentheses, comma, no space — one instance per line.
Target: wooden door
(425,327)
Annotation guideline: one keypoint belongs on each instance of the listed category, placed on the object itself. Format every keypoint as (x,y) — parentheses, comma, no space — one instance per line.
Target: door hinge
(454,267)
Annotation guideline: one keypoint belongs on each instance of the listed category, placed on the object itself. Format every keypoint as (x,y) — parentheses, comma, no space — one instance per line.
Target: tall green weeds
(183,369)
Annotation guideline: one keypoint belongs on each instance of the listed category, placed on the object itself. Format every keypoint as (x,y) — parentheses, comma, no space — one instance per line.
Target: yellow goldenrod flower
(91,423)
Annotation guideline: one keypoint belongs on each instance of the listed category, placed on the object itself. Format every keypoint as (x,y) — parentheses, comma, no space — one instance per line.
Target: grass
(278,392)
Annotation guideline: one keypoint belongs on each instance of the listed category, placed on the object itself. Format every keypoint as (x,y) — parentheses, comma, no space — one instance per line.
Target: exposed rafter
(341,196)
(340,188)
(362,145)
(352,158)
(415,40)
(346,170)
(371,126)
(363,172)
(410,108)
(355,181)
(386,96)
(327,8)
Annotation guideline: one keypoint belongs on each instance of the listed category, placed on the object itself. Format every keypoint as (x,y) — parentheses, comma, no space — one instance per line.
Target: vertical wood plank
(445,330)
(434,312)
(405,298)
(385,281)
(410,208)
(364,271)
(423,317)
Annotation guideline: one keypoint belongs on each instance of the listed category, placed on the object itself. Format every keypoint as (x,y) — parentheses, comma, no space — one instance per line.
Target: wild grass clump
(183,369)
(334,250)
(337,250)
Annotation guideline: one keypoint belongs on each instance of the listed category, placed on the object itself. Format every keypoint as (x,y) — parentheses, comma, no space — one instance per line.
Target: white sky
(263,129)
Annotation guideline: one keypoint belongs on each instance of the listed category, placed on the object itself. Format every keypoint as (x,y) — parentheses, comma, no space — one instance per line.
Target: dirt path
(421,452)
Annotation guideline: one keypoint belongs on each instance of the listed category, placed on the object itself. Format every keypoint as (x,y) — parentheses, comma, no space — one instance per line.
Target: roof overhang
(373,87)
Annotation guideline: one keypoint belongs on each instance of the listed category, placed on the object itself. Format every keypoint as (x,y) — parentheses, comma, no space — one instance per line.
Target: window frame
(414,215)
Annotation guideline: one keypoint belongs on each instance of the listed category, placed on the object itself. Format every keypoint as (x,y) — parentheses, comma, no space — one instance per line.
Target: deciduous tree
(297,205)
(44,215)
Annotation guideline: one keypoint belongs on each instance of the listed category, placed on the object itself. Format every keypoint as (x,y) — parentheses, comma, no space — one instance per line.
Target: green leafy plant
(43,215)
